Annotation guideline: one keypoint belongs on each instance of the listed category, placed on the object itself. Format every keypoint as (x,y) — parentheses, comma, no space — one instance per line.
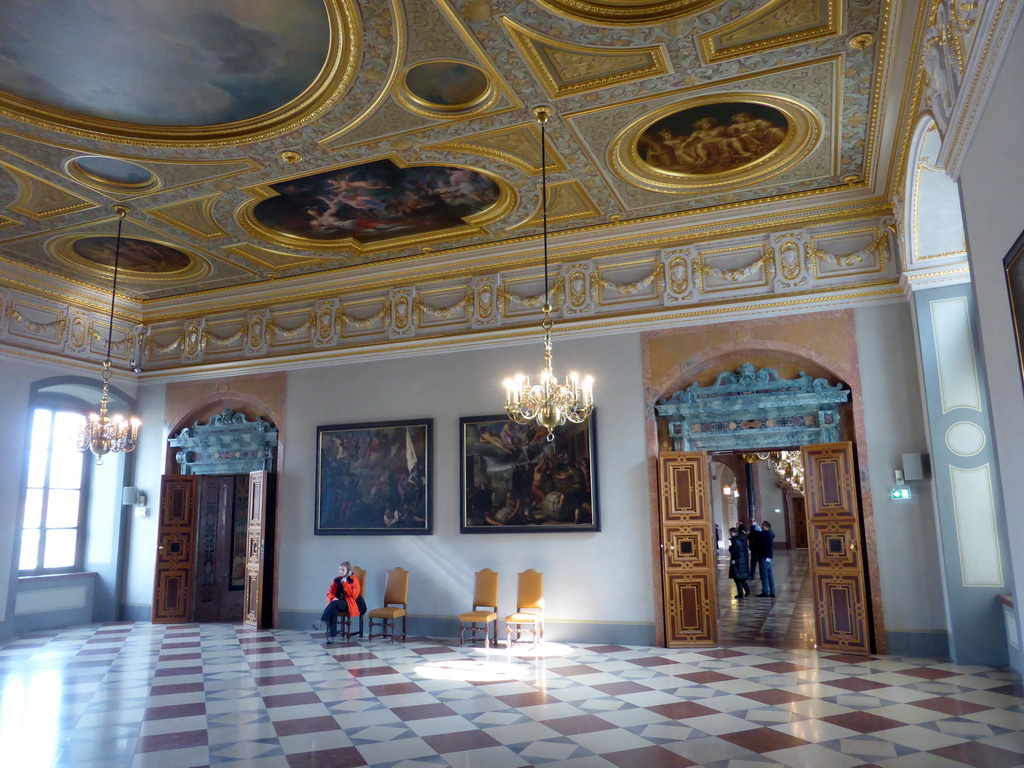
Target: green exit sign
(899,493)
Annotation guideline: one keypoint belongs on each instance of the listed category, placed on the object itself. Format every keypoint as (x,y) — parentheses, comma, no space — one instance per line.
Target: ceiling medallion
(620,12)
(725,141)
(111,174)
(445,88)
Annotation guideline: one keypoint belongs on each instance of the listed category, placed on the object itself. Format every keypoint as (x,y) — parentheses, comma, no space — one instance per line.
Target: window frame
(55,404)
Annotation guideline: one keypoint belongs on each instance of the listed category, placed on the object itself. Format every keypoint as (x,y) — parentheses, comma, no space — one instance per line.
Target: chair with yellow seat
(396,602)
(345,619)
(485,596)
(529,608)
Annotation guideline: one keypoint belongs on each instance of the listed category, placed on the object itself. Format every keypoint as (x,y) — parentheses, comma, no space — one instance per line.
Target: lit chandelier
(102,433)
(548,403)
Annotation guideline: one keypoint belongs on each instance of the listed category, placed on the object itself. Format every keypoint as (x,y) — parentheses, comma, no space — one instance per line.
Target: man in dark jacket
(739,560)
(766,557)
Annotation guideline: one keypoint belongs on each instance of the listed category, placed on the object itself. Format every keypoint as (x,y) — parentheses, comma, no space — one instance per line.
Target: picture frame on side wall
(1013,266)
(514,480)
(374,478)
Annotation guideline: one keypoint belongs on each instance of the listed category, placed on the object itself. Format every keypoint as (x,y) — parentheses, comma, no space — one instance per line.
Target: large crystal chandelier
(548,403)
(101,433)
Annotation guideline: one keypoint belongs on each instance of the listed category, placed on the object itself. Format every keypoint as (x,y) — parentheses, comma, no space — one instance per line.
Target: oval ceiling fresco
(111,174)
(139,256)
(728,141)
(447,84)
(376,201)
(713,138)
(181,63)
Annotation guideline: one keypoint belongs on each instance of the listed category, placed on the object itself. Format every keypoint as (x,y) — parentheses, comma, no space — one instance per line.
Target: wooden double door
(834,538)
(214,559)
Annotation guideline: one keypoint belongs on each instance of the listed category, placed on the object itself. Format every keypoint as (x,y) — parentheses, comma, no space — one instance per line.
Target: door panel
(835,548)
(256,613)
(175,553)
(688,551)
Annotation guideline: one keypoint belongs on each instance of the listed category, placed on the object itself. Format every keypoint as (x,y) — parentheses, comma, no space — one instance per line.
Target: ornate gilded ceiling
(256,140)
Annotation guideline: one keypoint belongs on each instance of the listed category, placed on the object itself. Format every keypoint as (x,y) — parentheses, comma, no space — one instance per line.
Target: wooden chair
(529,608)
(485,595)
(345,620)
(396,601)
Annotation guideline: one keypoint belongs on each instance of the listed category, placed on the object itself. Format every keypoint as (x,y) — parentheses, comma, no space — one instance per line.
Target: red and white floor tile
(145,696)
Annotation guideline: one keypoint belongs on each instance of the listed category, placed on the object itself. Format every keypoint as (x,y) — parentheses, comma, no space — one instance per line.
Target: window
(55,495)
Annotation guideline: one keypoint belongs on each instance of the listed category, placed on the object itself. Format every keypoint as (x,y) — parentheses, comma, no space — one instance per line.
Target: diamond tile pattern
(145,696)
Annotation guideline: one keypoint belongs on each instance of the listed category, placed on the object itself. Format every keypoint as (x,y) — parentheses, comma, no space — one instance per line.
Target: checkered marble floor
(145,696)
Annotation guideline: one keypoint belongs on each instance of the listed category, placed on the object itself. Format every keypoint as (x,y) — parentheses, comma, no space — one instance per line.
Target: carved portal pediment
(229,444)
(753,409)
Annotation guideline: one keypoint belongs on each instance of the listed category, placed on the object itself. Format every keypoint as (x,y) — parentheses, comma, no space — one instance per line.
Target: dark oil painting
(374,478)
(136,255)
(515,480)
(376,201)
(713,138)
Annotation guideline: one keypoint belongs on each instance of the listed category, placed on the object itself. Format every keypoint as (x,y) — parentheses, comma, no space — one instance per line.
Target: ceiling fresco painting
(713,138)
(162,62)
(376,201)
(136,255)
(305,144)
(449,84)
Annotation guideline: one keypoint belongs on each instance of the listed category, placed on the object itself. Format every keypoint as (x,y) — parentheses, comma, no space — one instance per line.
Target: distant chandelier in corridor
(548,403)
(101,433)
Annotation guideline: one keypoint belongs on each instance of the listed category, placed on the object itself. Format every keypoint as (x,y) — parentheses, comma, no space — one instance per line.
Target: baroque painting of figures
(376,201)
(516,480)
(713,138)
(374,478)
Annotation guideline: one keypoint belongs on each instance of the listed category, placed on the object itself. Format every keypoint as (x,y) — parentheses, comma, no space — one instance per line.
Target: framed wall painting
(1013,264)
(374,478)
(514,480)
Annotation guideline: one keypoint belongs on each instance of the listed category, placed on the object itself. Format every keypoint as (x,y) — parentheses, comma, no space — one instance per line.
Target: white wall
(588,576)
(990,180)
(906,535)
(149,465)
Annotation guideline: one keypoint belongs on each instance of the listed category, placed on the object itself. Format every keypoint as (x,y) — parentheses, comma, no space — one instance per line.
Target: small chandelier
(101,433)
(548,403)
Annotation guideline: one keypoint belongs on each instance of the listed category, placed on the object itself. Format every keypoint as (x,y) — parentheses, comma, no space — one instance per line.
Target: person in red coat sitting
(342,598)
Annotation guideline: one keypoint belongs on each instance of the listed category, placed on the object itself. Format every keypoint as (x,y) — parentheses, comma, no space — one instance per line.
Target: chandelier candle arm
(102,433)
(548,403)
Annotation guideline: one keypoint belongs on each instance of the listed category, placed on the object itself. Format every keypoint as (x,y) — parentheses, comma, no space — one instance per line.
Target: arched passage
(823,346)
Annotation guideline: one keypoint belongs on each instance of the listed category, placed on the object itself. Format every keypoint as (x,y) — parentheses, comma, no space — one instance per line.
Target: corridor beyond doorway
(785,622)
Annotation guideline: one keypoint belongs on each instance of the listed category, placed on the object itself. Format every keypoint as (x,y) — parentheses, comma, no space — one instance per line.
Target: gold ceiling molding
(267,259)
(565,68)
(192,216)
(40,199)
(803,131)
(777,24)
(335,76)
(6,222)
(518,146)
(567,200)
(623,12)
(474,225)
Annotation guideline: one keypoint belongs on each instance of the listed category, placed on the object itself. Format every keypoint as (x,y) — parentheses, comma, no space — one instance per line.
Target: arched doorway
(216,543)
(756,409)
